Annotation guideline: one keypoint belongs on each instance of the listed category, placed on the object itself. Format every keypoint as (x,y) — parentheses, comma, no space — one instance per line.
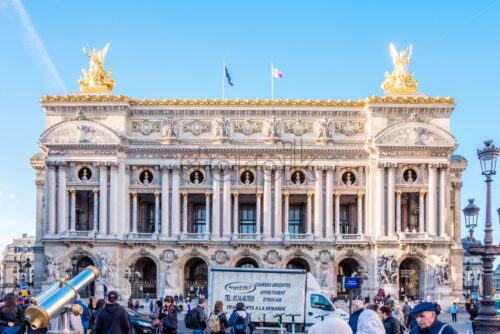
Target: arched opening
(145,278)
(247,263)
(82,263)
(298,263)
(347,268)
(411,279)
(196,277)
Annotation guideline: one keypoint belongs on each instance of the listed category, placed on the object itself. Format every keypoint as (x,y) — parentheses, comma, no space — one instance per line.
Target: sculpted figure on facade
(107,268)
(272,129)
(170,130)
(387,270)
(272,256)
(323,278)
(168,256)
(96,79)
(52,268)
(221,129)
(400,81)
(220,256)
(442,271)
(324,130)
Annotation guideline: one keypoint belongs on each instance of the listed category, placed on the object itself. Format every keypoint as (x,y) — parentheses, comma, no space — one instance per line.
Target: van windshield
(319,301)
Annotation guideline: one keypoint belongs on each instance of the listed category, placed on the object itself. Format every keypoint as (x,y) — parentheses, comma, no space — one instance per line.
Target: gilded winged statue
(96,79)
(400,80)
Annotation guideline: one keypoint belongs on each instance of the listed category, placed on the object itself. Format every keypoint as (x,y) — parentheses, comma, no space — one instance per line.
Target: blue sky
(169,49)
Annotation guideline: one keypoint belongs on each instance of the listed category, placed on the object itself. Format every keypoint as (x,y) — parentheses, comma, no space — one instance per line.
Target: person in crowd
(11,316)
(453,312)
(112,318)
(137,305)
(181,298)
(84,317)
(151,306)
(345,299)
(92,303)
(146,300)
(239,320)
(197,295)
(369,323)
(391,324)
(330,326)
(217,321)
(200,316)
(427,322)
(155,316)
(406,310)
(375,308)
(473,311)
(467,305)
(98,306)
(398,315)
(357,308)
(131,304)
(168,316)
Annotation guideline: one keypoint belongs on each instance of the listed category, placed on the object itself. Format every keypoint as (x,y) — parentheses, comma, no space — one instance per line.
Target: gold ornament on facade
(400,81)
(96,79)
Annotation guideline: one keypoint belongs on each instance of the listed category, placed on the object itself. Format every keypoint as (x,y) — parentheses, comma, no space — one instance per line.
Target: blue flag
(226,73)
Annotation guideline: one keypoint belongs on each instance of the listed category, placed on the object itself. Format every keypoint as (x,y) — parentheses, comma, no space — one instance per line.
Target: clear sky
(169,49)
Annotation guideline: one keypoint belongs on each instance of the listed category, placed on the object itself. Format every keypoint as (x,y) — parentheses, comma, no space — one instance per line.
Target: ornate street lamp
(28,266)
(73,264)
(487,320)
(471,213)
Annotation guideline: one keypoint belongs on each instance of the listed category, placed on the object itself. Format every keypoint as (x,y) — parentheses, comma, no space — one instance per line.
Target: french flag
(277,73)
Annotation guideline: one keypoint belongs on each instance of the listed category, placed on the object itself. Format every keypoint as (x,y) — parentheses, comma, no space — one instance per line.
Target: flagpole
(223,78)
(272,81)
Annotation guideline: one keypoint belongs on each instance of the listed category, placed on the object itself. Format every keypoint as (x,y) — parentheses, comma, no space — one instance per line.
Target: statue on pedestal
(96,79)
(400,81)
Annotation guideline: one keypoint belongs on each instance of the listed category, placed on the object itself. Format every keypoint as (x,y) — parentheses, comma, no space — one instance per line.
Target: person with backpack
(85,316)
(217,321)
(98,306)
(112,318)
(239,320)
(196,319)
(168,317)
(11,316)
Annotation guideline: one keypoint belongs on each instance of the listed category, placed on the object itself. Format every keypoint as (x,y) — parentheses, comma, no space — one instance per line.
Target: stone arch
(79,132)
(238,257)
(81,253)
(194,276)
(404,262)
(137,256)
(84,259)
(302,256)
(414,133)
(361,261)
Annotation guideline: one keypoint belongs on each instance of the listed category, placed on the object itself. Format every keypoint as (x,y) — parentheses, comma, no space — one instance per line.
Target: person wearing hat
(113,319)
(425,316)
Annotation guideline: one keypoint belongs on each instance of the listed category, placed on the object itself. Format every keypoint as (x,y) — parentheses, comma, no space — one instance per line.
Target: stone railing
(298,238)
(246,237)
(143,236)
(412,235)
(194,237)
(349,237)
(80,234)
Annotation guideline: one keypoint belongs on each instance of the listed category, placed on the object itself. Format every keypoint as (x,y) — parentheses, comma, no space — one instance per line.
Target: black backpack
(190,320)
(239,325)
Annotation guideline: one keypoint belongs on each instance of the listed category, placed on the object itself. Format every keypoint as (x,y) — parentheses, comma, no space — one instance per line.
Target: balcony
(298,238)
(413,236)
(349,237)
(80,235)
(246,238)
(141,237)
(194,237)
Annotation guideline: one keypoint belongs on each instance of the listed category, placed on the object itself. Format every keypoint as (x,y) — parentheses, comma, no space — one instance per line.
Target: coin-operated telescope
(59,298)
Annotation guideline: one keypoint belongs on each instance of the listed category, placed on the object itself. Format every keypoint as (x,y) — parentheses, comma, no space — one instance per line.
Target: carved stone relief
(387,270)
(349,128)
(324,257)
(442,271)
(170,130)
(220,256)
(221,129)
(53,268)
(415,133)
(79,132)
(297,127)
(146,127)
(272,256)
(168,256)
(324,130)
(247,127)
(272,130)
(107,268)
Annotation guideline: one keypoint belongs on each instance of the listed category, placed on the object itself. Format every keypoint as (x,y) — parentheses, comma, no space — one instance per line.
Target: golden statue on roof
(400,81)
(96,79)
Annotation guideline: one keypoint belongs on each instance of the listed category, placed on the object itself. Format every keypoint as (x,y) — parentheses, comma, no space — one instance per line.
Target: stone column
(134,212)
(443,203)
(96,211)
(40,214)
(207,213)
(103,199)
(62,200)
(267,203)
(157,213)
(73,209)
(432,200)
(51,202)
(329,203)
(318,203)
(226,191)
(379,203)
(236,220)
(113,200)
(309,214)
(390,201)
(165,201)
(457,233)
(398,211)
(287,213)
(123,207)
(184,213)
(278,204)
(337,213)
(258,218)
(216,203)
(176,202)
(359,215)
(421,221)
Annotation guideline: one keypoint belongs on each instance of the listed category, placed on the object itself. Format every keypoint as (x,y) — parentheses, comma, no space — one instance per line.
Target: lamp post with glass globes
(487,320)
(132,276)
(73,265)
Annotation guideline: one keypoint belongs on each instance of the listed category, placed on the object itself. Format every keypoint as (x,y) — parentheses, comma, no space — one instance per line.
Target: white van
(271,292)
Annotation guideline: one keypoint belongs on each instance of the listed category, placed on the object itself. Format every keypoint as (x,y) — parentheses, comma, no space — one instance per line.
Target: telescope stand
(63,323)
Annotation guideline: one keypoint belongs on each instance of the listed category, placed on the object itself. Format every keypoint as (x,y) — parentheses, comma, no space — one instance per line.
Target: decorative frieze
(146,127)
(297,127)
(349,128)
(247,127)
(196,127)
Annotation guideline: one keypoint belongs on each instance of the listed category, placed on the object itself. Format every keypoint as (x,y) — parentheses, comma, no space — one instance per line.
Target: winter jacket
(234,316)
(434,329)
(168,321)
(223,321)
(113,319)
(453,309)
(353,320)
(201,318)
(17,318)
(391,325)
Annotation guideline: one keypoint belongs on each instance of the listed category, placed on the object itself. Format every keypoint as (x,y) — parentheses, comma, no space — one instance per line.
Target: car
(141,322)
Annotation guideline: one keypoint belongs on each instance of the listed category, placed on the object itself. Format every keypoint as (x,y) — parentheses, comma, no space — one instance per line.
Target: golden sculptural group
(400,81)
(96,79)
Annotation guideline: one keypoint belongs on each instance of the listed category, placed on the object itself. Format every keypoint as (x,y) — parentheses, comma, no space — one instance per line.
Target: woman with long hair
(217,319)
(168,317)
(11,316)
(99,304)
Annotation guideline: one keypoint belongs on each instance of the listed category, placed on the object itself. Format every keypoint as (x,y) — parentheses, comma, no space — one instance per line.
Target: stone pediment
(79,132)
(414,134)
